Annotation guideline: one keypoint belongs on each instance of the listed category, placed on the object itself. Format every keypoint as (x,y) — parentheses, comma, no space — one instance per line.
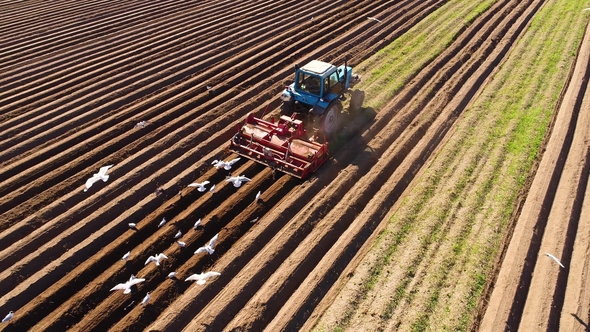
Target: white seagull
(101,175)
(212,188)
(225,164)
(179,234)
(126,256)
(258,196)
(181,244)
(209,246)
(201,278)
(171,275)
(162,223)
(374,19)
(141,124)
(8,317)
(197,224)
(585,9)
(126,287)
(156,259)
(145,299)
(132,225)
(237,180)
(555,259)
(200,185)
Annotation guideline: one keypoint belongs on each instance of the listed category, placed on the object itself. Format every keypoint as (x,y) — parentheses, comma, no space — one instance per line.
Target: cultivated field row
(60,236)
(73,110)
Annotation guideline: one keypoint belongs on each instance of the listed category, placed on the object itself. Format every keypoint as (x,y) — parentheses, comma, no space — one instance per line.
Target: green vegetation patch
(507,125)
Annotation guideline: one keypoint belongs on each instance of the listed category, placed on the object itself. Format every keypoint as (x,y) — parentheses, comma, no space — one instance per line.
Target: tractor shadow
(353,124)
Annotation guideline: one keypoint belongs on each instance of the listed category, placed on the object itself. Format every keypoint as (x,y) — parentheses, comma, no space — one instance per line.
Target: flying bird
(225,164)
(237,180)
(585,9)
(258,196)
(555,259)
(145,299)
(179,234)
(374,19)
(162,223)
(200,186)
(212,188)
(141,124)
(132,225)
(8,317)
(126,256)
(209,246)
(126,287)
(155,259)
(172,275)
(181,244)
(201,278)
(254,220)
(197,224)
(101,175)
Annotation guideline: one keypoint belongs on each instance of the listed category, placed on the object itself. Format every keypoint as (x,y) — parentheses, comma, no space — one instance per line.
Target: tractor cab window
(308,83)
(332,84)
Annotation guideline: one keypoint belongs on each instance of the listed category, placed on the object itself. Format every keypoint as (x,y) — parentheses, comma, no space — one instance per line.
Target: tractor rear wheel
(331,119)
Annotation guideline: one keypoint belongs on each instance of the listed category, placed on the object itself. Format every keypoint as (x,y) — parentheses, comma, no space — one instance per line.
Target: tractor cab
(318,78)
(317,85)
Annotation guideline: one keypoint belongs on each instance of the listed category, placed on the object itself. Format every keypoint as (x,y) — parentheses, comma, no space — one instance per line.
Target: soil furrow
(56,45)
(129,48)
(205,120)
(115,85)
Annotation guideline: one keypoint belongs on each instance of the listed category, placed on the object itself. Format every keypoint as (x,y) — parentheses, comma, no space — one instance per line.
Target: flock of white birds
(209,247)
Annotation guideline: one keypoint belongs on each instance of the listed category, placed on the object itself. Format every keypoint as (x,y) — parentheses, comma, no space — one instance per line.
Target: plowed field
(75,78)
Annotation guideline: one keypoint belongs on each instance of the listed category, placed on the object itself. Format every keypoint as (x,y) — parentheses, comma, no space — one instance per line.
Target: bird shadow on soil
(581,322)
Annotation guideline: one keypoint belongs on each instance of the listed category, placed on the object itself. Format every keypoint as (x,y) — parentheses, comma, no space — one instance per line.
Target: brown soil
(78,75)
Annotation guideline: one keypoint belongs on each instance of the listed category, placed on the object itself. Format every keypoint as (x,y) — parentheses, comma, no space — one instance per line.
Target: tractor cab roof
(318,67)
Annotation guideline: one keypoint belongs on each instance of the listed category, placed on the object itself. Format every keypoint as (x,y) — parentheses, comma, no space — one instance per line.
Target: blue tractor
(317,93)
(311,113)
